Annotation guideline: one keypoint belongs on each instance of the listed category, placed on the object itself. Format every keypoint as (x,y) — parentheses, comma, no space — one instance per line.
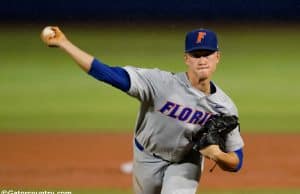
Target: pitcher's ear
(219,54)
(185,58)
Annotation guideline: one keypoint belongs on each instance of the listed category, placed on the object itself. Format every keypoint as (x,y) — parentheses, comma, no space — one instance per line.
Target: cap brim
(201,48)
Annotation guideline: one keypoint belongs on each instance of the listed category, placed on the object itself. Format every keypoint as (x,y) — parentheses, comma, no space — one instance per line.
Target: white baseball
(48,32)
(127,167)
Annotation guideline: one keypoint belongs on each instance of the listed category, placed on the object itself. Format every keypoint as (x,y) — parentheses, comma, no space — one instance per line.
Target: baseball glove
(215,131)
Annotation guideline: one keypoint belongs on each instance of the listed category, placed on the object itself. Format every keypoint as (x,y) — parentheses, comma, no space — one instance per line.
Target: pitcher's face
(202,63)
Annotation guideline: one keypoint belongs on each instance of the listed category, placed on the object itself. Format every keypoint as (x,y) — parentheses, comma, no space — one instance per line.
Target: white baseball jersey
(172,111)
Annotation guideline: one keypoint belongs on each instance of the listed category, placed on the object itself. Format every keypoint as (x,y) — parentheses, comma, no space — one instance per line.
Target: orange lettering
(200,36)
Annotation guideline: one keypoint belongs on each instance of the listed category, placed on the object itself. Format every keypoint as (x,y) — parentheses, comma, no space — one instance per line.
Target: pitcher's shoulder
(222,99)
(155,72)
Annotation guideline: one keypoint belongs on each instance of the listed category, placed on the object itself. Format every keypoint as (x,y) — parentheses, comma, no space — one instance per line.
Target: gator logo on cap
(200,37)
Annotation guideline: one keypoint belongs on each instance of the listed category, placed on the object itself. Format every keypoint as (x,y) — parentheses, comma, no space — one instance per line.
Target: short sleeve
(234,140)
(145,84)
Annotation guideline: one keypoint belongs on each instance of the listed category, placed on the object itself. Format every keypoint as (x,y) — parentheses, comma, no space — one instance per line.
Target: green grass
(42,89)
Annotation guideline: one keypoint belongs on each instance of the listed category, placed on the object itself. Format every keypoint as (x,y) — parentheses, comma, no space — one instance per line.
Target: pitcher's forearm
(231,161)
(83,59)
(227,161)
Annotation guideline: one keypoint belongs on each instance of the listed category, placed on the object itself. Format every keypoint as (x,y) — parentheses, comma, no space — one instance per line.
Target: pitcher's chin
(203,75)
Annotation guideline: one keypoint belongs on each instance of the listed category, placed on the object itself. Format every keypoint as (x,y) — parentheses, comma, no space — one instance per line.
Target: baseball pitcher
(183,117)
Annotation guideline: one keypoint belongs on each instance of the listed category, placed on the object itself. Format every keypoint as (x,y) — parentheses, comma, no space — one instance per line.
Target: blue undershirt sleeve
(115,76)
(240,155)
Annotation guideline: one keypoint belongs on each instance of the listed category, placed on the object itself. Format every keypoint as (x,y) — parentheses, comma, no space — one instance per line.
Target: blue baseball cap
(201,39)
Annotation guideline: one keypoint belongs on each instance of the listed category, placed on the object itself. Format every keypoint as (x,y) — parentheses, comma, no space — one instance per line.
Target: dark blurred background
(133,10)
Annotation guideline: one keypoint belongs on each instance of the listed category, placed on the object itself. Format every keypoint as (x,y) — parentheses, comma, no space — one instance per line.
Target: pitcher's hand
(53,40)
